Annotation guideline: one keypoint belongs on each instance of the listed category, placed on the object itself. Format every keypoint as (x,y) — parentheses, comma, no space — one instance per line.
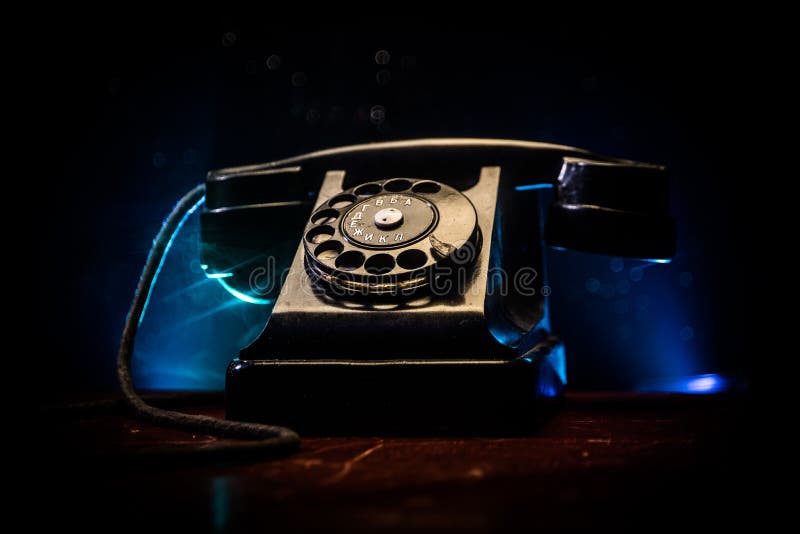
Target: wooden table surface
(604,460)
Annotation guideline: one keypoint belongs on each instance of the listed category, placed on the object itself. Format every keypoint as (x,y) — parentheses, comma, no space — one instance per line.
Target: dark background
(139,108)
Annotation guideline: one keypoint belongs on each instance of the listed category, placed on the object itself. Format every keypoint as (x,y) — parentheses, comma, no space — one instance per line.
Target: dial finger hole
(412,259)
(395,186)
(350,260)
(319,234)
(325,216)
(368,190)
(426,187)
(342,201)
(379,264)
(328,250)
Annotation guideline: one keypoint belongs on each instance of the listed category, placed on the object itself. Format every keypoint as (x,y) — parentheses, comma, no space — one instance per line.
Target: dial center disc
(389,220)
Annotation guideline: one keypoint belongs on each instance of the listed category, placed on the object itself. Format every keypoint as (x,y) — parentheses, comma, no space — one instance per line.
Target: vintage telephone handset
(407,278)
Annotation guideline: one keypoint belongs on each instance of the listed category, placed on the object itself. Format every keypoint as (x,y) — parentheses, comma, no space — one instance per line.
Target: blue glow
(694,385)
(533,187)
(558,360)
(166,252)
(705,384)
(657,260)
(193,326)
(242,296)
(216,276)
(553,369)
(209,313)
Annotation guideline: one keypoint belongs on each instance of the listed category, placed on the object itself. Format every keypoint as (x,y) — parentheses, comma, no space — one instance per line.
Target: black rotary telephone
(408,278)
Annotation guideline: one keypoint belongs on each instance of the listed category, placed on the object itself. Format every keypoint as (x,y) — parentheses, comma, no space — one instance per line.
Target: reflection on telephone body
(408,278)
(413,294)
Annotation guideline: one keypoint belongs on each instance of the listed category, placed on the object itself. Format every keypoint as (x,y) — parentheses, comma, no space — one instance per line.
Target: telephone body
(408,278)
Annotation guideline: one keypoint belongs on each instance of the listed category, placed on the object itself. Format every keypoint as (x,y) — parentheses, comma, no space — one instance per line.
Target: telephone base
(406,397)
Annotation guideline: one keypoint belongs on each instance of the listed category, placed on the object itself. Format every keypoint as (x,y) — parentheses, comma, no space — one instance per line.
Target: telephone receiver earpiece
(613,208)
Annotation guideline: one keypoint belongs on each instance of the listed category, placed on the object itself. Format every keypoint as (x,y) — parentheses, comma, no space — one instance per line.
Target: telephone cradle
(408,278)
